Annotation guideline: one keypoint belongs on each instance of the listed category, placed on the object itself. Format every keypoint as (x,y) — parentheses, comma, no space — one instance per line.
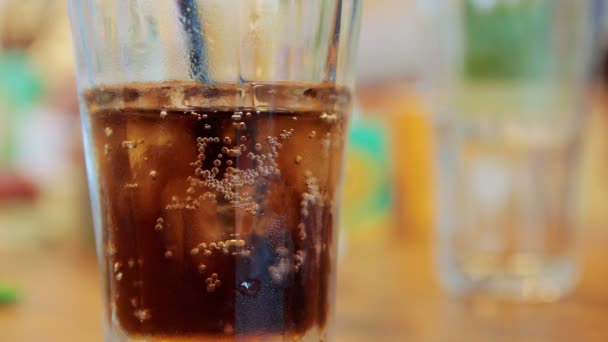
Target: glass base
(311,336)
(526,277)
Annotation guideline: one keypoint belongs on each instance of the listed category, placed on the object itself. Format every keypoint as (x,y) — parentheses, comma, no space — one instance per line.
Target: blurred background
(49,286)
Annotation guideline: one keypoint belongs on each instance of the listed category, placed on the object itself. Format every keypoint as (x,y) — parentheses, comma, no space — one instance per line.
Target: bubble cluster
(231,184)
(131,186)
(311,198)
(175,204)
(159,224)
(197,115)
(298,260)
(329,118)
(226,247)
(142,315)
(129,144)
(213,283)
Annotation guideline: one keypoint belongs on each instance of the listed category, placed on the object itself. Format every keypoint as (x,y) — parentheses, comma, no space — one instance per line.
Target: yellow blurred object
(413,166)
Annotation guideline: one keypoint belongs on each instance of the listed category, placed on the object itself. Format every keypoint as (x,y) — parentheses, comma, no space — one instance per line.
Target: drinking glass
(508,121)
(214,136)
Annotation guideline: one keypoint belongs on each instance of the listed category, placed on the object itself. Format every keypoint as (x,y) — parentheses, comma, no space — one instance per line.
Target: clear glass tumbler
(214,136)
(508,121)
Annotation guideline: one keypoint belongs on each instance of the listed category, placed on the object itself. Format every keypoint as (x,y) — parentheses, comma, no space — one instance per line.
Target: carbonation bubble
(202,268)
(194,251)
(258,147)
(227,140)
(169,254)
(163,114)
(153,174)
(298,159)
(312,134)
(108,131)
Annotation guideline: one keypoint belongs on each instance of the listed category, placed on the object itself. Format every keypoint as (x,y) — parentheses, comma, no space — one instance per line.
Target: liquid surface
(217,206)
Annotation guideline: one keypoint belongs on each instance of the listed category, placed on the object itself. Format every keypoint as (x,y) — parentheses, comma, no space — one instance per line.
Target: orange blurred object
(413,166)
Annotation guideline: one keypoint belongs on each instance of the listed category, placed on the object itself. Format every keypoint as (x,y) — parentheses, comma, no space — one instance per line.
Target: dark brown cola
(217,207)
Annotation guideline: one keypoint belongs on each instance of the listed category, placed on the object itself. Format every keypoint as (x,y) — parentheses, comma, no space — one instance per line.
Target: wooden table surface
(386,292)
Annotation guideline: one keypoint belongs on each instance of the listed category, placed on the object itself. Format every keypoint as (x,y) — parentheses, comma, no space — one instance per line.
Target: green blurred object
(367,190)
(507,39)
(20,90)
(8,295)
